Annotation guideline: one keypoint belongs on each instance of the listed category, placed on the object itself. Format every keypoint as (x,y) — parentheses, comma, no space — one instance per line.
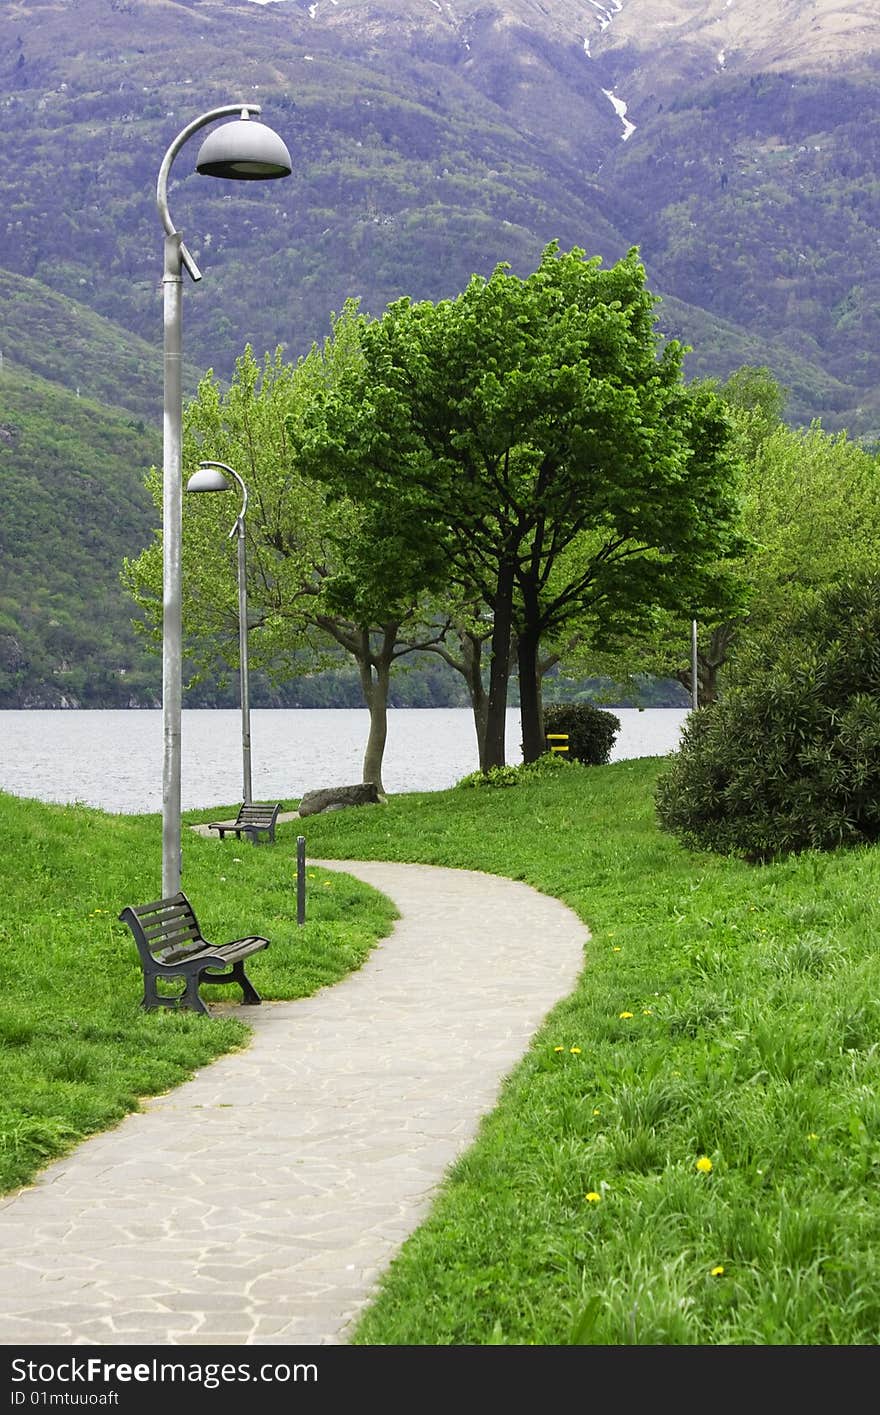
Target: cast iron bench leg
(250,998)
(191,996)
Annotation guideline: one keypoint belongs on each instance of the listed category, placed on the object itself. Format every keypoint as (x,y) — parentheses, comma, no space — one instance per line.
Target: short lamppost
(244,151)
(210,477)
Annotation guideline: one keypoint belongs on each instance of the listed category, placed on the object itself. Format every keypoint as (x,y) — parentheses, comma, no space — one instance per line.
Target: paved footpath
(259,1202)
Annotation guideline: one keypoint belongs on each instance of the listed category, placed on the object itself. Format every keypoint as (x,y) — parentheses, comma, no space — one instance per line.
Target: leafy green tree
(536,433)
(812,505)
(810,514)
(318,569)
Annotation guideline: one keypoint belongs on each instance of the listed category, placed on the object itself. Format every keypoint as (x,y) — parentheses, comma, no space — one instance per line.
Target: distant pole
(243,658)
(695,683)
(210,477)
(300,879)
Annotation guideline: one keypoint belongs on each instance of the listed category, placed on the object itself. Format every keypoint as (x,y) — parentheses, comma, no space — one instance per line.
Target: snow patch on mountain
(620,109)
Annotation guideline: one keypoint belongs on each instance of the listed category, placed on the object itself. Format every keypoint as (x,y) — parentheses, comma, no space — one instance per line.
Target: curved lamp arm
(244,110)
(238,526)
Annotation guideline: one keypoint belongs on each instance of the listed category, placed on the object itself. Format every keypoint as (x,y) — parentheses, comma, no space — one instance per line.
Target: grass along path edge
(77,1052)
(689,1152)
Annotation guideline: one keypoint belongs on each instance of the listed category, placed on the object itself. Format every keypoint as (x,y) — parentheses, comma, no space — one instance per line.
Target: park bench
(254,818)
(171,945)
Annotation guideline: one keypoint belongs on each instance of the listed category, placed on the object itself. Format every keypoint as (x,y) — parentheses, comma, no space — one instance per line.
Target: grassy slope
(753,995)
(688,1152)
(77,1050)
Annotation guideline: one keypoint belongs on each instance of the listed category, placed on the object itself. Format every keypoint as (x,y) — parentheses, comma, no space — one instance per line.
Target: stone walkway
(259,1202)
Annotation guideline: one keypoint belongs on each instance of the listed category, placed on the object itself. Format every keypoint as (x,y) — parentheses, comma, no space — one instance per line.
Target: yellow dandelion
(717,1271)
(646,1012)
(624,1014)
(812,1135)
(704,1164)
(575,1051)
(593,1197)
(559,1048)
(615,950)
(597,1112)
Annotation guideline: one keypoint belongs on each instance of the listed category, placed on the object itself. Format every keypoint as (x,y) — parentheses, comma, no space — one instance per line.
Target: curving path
(258,1203)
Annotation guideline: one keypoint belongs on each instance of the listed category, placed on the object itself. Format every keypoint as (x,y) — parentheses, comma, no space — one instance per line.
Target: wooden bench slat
(165,928)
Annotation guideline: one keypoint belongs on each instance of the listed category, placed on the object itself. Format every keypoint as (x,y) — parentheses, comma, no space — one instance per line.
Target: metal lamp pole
(695,684)
(210,477)
(244,151)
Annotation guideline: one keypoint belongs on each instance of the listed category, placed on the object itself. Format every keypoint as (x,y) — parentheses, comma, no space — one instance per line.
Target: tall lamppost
(210,477)
(695,664)
(244,151)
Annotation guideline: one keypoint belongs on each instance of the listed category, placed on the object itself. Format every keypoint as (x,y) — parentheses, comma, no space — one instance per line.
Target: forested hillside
(737,146)
(73,505)
(430,143)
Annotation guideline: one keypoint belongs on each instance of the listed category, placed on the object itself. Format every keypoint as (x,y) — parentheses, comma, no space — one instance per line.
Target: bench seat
(254,819)
(171,945)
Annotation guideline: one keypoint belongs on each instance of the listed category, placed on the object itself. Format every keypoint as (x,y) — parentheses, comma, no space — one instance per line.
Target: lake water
(113,759)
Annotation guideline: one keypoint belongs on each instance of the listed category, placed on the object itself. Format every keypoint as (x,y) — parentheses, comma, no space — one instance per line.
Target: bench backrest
(167,930)
(258,813)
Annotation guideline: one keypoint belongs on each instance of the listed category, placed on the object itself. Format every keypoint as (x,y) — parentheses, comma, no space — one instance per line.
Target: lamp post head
(245,151)
(208,479)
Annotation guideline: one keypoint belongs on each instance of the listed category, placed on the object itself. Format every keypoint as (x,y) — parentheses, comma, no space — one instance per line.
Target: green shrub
(547,765)
(591,730)
(788,759)
(495,776)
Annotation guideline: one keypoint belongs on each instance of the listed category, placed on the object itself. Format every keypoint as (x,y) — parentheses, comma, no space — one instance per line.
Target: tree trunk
(375,675)
(499,670)
(710,662)
(531,706)
(469,664)
(472,669)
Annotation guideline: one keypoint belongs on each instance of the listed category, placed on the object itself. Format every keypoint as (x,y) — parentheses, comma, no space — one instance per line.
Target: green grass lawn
(77,1052)
(689,1152)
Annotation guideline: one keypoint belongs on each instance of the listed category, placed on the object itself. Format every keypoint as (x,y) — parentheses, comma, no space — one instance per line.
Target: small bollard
(300,879)
(558,737)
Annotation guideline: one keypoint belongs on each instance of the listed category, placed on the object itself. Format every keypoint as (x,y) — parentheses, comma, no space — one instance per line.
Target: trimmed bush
(788,759)
(591,731)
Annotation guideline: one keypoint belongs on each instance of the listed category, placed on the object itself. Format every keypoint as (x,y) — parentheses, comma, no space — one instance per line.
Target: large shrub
(788,759)
(591,731)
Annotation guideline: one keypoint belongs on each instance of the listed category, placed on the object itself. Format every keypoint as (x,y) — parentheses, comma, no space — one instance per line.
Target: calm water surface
(113,759)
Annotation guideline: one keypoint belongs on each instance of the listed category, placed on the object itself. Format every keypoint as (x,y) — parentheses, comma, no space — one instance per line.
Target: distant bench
(253,819)
(171,945)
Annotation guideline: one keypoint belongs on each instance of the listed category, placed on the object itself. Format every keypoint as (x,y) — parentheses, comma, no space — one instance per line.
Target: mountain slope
(74,504)
(65,342)
(736,144)
(735,37)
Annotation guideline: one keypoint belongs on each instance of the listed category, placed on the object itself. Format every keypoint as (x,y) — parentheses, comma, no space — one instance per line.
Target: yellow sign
(558,737)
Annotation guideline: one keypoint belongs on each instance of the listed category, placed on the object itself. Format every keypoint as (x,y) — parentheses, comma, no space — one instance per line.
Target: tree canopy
(533,444)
